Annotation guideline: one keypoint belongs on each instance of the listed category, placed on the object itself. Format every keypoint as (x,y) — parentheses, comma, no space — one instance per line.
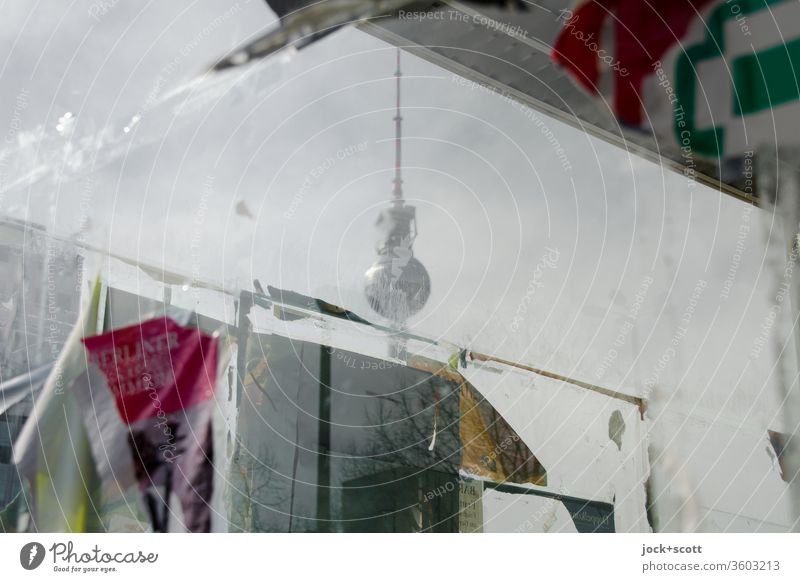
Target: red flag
(614,44)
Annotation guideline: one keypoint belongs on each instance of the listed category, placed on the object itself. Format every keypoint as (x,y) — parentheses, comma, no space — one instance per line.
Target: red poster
(161,377)
(155,366)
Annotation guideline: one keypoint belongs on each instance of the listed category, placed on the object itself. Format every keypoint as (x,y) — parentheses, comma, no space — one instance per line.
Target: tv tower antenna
(398,140)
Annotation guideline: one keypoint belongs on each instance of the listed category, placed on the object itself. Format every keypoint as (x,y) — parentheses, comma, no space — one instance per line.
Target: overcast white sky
(491,192)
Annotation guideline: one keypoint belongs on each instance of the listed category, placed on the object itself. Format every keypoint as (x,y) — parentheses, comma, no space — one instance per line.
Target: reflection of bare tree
(412,448)
(254,491)
(416,427)
(398,472)
(470,434)
(423,433)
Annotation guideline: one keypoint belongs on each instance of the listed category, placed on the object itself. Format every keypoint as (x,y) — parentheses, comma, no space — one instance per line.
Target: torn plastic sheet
(567,429)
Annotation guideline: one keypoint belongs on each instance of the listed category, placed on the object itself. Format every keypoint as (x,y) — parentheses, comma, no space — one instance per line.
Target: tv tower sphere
(397,292)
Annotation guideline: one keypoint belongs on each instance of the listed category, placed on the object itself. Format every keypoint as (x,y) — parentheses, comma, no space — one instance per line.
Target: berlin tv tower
(397,286)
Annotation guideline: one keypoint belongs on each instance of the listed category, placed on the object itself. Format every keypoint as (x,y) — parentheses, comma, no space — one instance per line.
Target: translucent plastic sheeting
(279,172)
(544,246)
